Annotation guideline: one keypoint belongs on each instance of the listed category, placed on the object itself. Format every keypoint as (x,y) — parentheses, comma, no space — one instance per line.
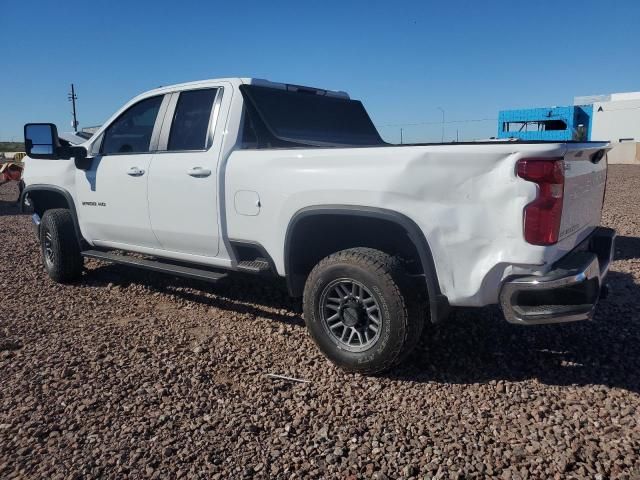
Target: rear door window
(191,120)
(131,132)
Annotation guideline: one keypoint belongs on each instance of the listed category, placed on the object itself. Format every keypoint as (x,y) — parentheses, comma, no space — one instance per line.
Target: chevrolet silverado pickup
(281,180)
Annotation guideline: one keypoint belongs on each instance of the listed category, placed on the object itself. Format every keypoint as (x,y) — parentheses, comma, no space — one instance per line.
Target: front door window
(131,132)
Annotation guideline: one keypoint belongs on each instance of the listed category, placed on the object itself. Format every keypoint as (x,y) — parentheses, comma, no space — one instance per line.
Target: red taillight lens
(542,216)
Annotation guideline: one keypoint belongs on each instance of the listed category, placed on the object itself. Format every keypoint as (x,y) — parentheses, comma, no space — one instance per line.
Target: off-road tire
(402,308)
(59,245)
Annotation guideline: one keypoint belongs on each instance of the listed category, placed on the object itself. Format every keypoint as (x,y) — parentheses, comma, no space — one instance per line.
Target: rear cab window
(287,118)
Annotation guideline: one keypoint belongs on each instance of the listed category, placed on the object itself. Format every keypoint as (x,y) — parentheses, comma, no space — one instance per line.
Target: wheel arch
(46,197)
(296,277)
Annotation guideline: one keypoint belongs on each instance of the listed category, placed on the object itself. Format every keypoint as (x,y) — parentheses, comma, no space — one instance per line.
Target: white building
(616,118)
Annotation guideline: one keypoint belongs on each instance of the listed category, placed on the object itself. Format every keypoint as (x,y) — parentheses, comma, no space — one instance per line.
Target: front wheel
(362,311)
(60,247)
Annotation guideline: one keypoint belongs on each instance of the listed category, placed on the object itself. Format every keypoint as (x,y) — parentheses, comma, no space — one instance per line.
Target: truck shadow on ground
(478,346)
(474,346)
(8,208)
(627,248)
(9,194)
(262,297)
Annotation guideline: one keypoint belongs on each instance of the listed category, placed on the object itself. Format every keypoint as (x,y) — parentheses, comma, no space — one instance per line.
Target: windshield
(307,117)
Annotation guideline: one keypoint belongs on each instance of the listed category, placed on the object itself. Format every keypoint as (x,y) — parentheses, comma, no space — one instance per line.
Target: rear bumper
(569,292)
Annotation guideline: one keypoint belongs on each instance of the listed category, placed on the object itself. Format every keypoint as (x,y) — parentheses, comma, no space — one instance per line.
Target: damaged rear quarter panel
(466,199)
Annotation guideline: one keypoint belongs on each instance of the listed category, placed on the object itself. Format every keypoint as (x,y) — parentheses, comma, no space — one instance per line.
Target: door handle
(135,172)
(199,172)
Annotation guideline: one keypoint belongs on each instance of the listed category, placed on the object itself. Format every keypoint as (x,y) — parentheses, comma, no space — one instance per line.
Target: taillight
(542,216)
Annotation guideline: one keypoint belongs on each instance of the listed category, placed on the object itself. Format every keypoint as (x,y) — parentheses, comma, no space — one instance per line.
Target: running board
(156,266)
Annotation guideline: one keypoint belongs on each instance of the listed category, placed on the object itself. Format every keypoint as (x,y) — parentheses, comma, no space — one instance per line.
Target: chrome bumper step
(569,292)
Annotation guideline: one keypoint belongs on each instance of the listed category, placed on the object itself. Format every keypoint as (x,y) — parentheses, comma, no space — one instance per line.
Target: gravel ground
(129,374)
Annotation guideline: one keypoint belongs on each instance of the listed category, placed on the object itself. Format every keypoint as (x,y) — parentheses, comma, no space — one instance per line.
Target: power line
(474,120)
(438,123)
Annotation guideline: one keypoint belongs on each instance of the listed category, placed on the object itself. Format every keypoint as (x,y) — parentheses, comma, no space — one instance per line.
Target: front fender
(51,196)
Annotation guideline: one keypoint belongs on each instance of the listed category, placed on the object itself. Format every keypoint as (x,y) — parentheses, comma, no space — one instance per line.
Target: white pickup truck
(288,181)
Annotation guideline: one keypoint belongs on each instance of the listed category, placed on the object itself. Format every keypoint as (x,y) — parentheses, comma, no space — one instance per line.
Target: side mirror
(41,141)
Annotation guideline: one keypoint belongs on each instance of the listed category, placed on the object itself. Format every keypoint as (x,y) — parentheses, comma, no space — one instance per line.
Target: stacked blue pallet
(551,124)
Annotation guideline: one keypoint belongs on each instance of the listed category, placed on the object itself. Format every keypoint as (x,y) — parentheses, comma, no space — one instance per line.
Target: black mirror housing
(82,162)
(41,141)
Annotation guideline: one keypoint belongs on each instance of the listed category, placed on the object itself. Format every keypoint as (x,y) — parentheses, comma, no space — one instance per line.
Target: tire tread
(68,264)
(392,274)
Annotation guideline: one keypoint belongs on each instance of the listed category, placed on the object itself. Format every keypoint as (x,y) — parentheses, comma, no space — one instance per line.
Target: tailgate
(585,179)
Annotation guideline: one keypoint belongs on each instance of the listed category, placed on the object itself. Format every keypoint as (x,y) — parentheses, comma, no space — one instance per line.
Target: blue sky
(402,59)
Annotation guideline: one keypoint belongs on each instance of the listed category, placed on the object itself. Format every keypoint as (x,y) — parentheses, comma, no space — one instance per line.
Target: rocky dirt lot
(130,374)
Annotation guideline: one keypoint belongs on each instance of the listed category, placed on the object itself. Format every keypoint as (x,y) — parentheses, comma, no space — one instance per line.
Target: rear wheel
(362,311)
(60,249)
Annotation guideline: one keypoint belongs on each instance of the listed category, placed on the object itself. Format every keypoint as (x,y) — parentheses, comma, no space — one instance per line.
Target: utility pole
(401,136)
(442,110)
(72,98)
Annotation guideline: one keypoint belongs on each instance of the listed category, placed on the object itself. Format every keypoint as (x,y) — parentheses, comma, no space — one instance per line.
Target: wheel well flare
(316,233)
